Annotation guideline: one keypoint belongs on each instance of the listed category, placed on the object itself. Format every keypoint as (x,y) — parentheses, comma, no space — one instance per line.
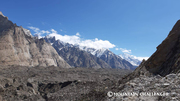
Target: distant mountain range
(109,57)
(102,52)
(74,56)
(79,56)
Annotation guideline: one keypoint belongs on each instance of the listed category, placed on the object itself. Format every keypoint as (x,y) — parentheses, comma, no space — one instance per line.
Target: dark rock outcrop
(18,47)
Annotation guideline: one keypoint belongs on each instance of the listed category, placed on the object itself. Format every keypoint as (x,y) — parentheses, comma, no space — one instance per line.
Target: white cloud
(116,48)
(97,43)
(125,50)
(128,53)
(77,34)
(38,31)
(141,58)
(75,39)
(53,31)
(34,28)
(134,60)
(65,38)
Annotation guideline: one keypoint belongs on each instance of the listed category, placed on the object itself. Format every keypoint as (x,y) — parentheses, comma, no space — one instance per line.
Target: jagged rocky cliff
(18,47)
(166,59)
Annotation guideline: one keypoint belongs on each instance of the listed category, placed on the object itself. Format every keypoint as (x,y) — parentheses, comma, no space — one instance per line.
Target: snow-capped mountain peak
(135,61)
(96,52)
(104,54)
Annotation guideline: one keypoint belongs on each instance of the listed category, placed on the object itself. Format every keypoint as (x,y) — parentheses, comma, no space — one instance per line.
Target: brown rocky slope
(18,47)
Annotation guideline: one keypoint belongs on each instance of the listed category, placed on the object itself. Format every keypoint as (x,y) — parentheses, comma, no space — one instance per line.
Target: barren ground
(57,84)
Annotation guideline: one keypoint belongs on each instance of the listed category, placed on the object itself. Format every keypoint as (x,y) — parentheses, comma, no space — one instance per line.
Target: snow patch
(27,32)
(135,61)
(93,51)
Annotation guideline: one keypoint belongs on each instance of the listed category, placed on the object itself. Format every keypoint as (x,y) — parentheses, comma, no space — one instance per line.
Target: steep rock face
(5,23)
(166,59)
(76,57)
(18,47)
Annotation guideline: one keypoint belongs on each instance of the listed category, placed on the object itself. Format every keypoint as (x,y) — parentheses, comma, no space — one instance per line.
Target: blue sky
(134,26)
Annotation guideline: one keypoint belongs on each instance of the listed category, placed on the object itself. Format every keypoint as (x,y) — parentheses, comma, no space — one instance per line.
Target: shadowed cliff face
(18,47)
(166,59)
(5,23)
